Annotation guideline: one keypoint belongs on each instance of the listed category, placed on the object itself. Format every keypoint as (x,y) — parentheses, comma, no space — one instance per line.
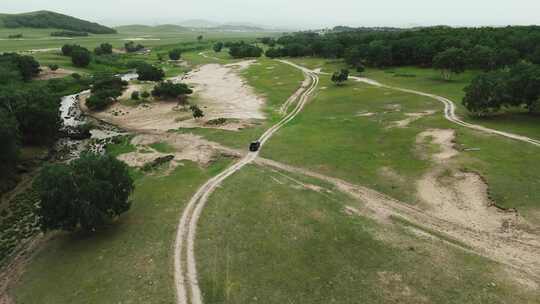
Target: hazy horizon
(301,14)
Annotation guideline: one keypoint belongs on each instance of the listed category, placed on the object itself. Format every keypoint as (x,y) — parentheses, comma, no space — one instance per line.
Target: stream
(72,144)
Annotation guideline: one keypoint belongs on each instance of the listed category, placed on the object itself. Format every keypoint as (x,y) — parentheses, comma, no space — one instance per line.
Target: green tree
(171,90)
(9,137)
(482,57)
(175,54)
(135,95)
(200,38)
(451,61)
(340,77)
(218,47)
(148,72)
(86,194)
(104,49)
(81,58)
(53,67)
(486,94)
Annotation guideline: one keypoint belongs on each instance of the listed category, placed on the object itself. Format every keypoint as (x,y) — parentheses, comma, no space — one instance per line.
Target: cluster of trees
(148,72)
(484,48)
(86,194)
(15,36)
(80,56)
(340,77)
(131,47)
(69,34)
(15,67)
(105,90)
(103,49)
(170,90)
(518,86)
(243,50)
(271,42)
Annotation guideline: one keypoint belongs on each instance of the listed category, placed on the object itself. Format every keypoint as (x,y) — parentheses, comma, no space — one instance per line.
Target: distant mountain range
(47,19)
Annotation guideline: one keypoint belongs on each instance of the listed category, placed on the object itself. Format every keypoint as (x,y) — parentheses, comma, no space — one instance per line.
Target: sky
(294,14)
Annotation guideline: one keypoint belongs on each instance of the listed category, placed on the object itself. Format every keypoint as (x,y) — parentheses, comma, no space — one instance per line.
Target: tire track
(185,266)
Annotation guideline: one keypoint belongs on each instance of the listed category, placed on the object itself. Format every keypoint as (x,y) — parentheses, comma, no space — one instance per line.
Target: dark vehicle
(255,146)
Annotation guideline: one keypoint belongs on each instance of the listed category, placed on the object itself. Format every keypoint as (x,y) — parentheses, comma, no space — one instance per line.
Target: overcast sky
(293,13)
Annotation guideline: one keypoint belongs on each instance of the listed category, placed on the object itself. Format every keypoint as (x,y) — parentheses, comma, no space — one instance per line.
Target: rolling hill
(47,19)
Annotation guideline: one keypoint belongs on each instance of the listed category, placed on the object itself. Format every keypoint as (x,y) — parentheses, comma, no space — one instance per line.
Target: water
(73,117)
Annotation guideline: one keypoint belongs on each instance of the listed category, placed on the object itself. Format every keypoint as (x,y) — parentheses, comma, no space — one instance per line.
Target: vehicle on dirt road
(255,146)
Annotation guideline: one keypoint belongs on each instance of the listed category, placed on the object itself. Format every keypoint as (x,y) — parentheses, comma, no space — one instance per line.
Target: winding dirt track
(185,270)
(450,112)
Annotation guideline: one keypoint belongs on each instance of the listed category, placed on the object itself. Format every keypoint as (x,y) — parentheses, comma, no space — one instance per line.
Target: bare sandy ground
(46,73)
(223,93)
(411,117)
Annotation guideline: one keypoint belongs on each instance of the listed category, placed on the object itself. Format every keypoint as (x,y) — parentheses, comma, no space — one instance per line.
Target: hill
(47,19)
(148,28)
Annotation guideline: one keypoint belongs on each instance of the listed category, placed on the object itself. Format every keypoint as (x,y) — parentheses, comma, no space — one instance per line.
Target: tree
(81,57)
(175,54)
(340,77)
(451,61)
(145,95)
(482,57)
(360,68)
(486,94)
(523,85)
(506,57)
(197,112)
(171,90)
(131,47)
(53,67)
(106,88)
(200,38)
(85,194)
(148,72)
(218,47)
(9,137)
(245,50)
(135,95)
(104,49)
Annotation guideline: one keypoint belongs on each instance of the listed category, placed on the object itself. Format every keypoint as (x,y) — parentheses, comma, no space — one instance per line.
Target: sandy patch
(365,114)
(223,93)
(187,147)
(458,196)
(46,73)
(411,117)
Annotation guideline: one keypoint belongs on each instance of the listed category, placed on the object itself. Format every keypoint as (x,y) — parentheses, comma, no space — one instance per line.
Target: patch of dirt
(223,93)
(391,174)
(187,147)
(396,291)
(458,196)
(365,114)
(411,117)
(46,73)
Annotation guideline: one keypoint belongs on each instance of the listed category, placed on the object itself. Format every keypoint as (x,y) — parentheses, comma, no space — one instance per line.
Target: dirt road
(185,270)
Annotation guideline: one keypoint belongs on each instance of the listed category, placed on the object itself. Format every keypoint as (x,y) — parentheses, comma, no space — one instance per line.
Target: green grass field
(278,242)
(130,262)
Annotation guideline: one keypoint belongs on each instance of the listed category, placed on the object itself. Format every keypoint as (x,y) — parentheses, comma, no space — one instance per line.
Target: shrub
(175,54)
(135,95)
(148,72)
(171,90)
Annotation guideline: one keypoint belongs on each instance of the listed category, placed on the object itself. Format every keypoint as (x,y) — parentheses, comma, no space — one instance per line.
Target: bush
(218,47)
(175,54)
(81,58)
(135,95)
(103,49)
(245,50)
(168,90)
(148,72)
(15,36)
(53,67)
(131,47)
(145,95)
(85,194)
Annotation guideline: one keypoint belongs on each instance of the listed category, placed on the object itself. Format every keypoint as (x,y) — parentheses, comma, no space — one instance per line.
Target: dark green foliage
(105,90)
(85,194)
(274,53)
(145,95)
(218,46)
(516,87)
(271,42)
(175,54)
(46,19)
(26,66)
(15,36)
(242,50)
(131,47)
(81,58)
(196,111)
(69,34)
(9,139)
(453,60)
(168,90)
(53,67)
(200,38)
(135,95)
(482,57)
(340,77)
(103,49)
(148,72)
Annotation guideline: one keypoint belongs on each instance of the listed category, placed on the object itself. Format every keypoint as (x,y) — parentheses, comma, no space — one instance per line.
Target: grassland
(277,242)
(276,82)
(129,262)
